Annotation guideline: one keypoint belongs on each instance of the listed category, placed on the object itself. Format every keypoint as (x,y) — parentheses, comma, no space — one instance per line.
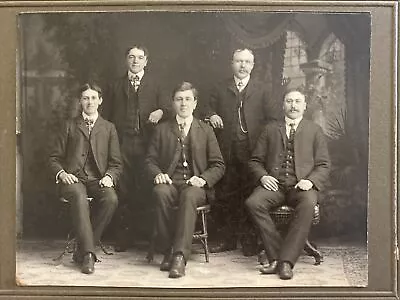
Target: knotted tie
(292,131)
(182,127)
(240,85)
(135,81)
(89,124)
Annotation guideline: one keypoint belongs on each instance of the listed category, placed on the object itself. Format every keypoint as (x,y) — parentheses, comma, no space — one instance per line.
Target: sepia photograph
(193,149)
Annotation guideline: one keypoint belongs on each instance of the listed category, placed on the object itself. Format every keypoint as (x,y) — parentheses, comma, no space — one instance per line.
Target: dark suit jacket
(258,110)
(70,150)
(150,96)
(206,156)
(311,154)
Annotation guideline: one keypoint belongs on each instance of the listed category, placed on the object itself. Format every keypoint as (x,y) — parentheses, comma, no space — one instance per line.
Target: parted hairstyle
(185,86)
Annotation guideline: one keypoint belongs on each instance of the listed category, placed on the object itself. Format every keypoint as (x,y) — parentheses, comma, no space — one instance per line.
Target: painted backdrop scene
(326,53)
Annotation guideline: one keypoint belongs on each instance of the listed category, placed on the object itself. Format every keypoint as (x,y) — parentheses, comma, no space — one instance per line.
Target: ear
(195,104)
(100,100)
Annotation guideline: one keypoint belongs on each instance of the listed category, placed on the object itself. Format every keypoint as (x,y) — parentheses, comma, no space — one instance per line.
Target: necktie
(292,131)
(135,81)
(240,85)
(89,124)
(182,127)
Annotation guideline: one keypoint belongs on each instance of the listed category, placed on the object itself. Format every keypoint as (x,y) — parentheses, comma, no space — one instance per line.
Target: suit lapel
(282,130)
(98,126)
(232,86)
(250,88)
(82,126)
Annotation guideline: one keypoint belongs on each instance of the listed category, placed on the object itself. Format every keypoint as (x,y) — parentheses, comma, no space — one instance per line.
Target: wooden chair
(282,217)
(70,243)
(199,234)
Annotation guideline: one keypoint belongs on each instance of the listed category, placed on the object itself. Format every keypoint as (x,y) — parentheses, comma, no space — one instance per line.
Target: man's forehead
(89,92)
(186,93)
(136,51)
(243,53)
(294,95)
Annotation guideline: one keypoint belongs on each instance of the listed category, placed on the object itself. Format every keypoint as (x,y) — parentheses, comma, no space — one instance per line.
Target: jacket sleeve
(257,160)
(114,155)
(212,103)
(152,159)
(215,164)
(322,163)
(58,150)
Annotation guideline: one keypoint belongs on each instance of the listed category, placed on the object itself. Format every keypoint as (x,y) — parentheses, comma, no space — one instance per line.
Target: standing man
(185,162)
(238,109)
(86,162)
(135,104)
(291,164)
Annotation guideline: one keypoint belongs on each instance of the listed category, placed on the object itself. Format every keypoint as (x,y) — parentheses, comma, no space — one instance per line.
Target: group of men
(245,162)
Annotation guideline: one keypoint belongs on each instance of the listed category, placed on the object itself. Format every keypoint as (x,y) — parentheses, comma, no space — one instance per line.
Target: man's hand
(196,181)
(216,121)
(155,116)
(270,183)
(304,185)
(106,181)
(67,178)
(162,178)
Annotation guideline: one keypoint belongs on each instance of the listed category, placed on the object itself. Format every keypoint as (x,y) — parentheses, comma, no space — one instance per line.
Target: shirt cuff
(58,174)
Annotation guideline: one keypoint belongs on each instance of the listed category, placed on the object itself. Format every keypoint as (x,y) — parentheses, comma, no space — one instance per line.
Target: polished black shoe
(227,245)
(177,266)
(166,262)
(88,263)
(271,268)
(285,270)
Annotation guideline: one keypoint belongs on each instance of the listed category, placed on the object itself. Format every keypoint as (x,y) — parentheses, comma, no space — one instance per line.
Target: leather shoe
(227,245)
(177,267)
(166,262)
(271,268)
(285,270)
(88,263)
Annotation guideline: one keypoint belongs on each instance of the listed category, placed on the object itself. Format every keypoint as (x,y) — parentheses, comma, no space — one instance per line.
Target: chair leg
(311,250)
(104,249)
(205,239)
(67,246)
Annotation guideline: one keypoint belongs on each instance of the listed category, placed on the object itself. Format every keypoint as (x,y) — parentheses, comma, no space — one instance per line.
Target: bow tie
(88,121)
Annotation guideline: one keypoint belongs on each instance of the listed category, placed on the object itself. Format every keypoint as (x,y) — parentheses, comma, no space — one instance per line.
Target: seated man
(291,163)
(185,162)
(86,162)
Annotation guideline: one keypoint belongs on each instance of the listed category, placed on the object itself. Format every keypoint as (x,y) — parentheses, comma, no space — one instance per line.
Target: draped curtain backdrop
(265,34)
(355,33)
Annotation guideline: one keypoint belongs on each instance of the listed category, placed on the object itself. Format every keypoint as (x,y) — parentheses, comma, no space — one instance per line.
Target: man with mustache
(290,163)
(135,103)
(238,108)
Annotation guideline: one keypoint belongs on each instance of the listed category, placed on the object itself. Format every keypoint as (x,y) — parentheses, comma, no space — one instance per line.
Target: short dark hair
(185,86)
(90,86)
(300,89)
(140,47)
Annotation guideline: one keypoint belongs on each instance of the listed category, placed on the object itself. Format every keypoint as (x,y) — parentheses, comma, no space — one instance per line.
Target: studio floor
(344,265)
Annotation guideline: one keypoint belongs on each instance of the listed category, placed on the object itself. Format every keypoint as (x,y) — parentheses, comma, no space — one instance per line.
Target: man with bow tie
(135,103)
(184,162)
(238,108)
(290,163)
(86,162)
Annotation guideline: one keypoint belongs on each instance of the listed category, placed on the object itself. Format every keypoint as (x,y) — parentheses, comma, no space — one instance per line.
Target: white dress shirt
(290,121)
